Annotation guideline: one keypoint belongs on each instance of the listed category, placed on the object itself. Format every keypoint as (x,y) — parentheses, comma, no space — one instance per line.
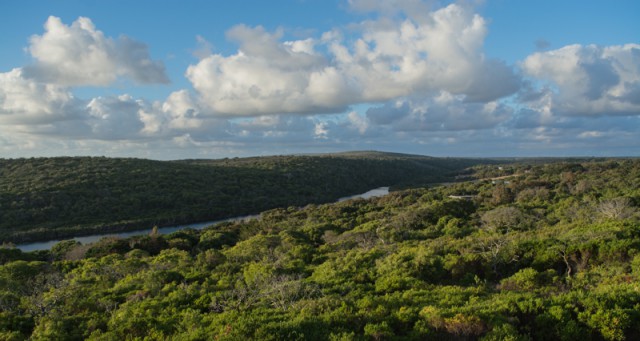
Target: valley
(553,253)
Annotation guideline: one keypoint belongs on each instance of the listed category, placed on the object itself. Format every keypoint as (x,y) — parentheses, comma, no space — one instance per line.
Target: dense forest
(48,198)
(527,251)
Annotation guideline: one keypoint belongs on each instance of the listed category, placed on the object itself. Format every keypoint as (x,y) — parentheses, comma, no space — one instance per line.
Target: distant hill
(44,198)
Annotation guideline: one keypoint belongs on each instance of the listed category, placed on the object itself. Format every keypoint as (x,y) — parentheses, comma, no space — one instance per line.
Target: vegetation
(48,198)
(550,252)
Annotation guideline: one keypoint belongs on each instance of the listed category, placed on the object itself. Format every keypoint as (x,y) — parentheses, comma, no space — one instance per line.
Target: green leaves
(47,198)
(412,265)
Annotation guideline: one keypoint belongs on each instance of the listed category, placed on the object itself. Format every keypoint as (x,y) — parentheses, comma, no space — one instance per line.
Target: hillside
(45,198)
(551,252)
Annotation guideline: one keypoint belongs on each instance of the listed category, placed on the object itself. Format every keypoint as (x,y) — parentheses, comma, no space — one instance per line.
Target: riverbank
(48,244)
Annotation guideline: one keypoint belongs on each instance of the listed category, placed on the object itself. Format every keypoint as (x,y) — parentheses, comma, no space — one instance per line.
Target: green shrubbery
(54,198)
(412,265)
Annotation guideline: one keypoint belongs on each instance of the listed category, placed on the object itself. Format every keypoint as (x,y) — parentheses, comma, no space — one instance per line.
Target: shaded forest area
(539,252)
(48,198)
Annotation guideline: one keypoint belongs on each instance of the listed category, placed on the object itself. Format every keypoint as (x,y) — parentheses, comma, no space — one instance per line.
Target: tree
(505,219)
(501,194)
(497,249)
(59,250)
(616,208)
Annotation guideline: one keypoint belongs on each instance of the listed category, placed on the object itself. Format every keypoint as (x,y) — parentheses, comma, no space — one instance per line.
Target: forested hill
(44,198)
(551,252)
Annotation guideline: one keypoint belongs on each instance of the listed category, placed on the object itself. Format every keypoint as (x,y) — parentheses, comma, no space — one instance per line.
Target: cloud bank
(415,78)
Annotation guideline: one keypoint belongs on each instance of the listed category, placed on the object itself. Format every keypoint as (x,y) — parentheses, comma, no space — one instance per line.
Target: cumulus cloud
(40,108)
(391,59)
(101,118)
(80,54)
(37,99)
(589,80)
(267,77)
(441,53)
(414,78)
(44,109)
(25,101)
(179,112)
(114,117)
(444,112)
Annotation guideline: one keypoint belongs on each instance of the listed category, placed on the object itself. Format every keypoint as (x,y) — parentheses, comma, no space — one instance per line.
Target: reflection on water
(378,192)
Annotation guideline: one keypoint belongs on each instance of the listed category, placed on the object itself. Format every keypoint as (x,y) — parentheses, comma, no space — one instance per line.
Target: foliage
(415,264)
(55,198)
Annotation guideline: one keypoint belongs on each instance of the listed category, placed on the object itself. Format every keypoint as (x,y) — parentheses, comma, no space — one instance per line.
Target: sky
(213,79)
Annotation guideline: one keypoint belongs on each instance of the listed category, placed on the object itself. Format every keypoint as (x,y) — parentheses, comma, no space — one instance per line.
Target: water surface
(377,192)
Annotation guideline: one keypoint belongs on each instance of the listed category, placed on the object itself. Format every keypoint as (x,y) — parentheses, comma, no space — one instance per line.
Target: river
(46,245)
(377,192)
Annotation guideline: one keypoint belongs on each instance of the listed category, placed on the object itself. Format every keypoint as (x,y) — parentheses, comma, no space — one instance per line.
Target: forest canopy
(49,198)
(527,251)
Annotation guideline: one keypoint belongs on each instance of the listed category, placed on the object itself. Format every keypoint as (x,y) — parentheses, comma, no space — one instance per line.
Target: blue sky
(171,80)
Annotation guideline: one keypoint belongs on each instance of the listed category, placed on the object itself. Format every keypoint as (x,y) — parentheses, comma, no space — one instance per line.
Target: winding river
(46,245)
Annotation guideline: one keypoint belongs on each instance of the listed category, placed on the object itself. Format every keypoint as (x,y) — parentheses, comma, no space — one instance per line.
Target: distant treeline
(45,198)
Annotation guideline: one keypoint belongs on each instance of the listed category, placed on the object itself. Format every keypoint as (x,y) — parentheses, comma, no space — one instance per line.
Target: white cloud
(24,101)
(102,118)
(80,54)
(268,77)
(275,129)
(39,108)
(590,134)
(37,99)
(358,122)
(391,59)
(589,80)
(114,118)
(178,113)
(445,112)
(320,131)
(443,52)
(421,73)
